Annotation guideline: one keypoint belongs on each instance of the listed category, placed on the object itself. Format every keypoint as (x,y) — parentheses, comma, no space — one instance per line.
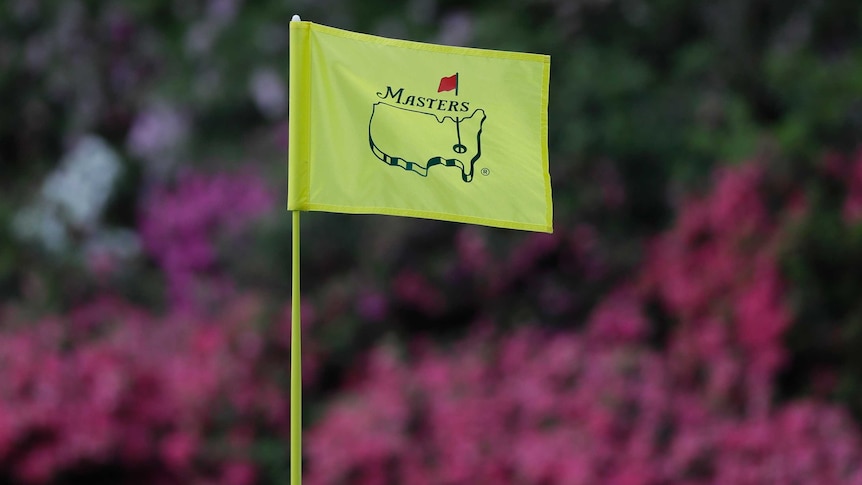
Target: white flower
(81,185)
(73,196)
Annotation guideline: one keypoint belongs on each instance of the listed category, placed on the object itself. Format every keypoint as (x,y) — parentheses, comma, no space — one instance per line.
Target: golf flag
(404,128)
(448,84)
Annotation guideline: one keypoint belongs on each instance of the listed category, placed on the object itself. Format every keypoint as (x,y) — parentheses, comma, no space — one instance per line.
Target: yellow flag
(404,128)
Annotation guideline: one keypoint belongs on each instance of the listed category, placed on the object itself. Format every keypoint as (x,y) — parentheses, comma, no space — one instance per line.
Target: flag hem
(440,216)
(299,116)
(549,201)
(409,44)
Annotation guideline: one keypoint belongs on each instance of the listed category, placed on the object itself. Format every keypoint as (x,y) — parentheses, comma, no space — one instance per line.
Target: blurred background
(696,317)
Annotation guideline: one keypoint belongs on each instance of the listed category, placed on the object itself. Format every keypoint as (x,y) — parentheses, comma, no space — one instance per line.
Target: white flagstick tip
(295,18)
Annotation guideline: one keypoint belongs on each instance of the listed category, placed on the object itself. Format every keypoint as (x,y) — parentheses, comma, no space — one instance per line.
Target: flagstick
(295,365)
(295,356)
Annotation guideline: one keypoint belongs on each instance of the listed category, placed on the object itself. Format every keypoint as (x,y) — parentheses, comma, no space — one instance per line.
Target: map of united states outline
(442,157)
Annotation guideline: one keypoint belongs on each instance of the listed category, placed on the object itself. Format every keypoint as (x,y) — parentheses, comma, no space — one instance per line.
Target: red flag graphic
(449,83)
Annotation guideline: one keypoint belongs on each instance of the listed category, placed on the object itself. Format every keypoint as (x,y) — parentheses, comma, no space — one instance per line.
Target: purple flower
(181,224)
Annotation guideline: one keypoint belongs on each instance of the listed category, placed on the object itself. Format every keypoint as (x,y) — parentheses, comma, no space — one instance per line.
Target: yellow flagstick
(295,365)
(295,351)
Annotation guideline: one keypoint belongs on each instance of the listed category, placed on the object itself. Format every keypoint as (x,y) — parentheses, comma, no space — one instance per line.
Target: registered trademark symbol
(486,172)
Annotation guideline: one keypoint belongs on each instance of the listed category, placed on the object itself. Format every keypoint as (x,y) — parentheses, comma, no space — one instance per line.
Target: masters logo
(451,132)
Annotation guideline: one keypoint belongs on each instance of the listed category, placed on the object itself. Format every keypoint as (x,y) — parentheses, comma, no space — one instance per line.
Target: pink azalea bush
(178,399)
(716,273)
(565,408)
(606,404)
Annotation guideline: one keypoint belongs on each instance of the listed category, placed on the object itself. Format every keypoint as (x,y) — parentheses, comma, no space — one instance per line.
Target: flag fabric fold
(382,126)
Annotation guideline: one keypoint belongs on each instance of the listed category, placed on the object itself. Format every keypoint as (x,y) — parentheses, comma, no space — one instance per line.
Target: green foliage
(647,98)
(821,259)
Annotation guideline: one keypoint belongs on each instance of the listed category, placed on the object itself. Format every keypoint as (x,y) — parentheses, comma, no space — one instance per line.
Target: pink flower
(239,473)
(372,306)
(473,253)
(618,319)
(7,431)
(180,226)
(414,290)
(178,449)
(761,316)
